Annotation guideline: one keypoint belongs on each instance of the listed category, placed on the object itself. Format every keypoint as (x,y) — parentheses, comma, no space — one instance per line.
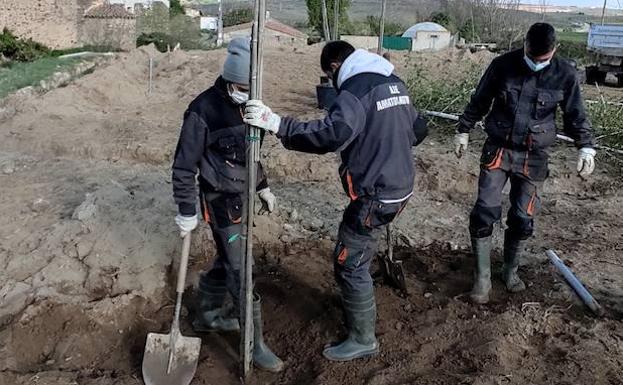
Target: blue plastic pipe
(575,283)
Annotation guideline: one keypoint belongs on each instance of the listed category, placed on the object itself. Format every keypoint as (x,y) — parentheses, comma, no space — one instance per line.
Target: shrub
(14,48)
(161,40)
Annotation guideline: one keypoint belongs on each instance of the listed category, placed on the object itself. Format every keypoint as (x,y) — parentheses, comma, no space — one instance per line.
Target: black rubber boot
(360,312)
(211,314)
(513,249)
(263,357)
(481,248)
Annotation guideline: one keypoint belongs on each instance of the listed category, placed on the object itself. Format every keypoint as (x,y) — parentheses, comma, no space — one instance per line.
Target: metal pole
(325,21)
(575,283)
(382,27)
(603,13)
(336,19)
(253,136)
(219,28)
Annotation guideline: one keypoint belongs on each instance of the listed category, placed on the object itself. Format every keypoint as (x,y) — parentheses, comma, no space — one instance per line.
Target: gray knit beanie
(237,65)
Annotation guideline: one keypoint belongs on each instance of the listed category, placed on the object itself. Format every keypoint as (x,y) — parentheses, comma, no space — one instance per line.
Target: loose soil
(88,247)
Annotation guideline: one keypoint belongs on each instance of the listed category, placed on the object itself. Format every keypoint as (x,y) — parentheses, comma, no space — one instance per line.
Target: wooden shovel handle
(181,277)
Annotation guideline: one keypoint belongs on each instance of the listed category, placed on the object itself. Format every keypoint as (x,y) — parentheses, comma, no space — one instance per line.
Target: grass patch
(574,37)
(19,75)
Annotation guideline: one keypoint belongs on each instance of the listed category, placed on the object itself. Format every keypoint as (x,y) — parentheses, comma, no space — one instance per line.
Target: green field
(19,75)
(575,37)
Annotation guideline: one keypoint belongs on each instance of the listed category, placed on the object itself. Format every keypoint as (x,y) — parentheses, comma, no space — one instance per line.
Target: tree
(238,16)
(314,13)
(391,28)
(442,19)
(176,8)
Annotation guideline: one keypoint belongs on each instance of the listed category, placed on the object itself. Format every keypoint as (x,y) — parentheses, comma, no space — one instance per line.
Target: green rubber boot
(211,314)
(513,249)
(263,357)
(360,311)
(481,248)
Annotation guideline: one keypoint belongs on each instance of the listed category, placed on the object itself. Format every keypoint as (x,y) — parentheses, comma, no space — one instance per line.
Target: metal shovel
(391,269)
(171,359)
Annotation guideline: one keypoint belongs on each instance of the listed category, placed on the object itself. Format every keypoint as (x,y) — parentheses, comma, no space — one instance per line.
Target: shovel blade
(393,273)
(156,359)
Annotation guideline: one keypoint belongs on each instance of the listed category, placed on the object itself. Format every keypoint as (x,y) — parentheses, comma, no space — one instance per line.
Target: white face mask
(237,96)
(536,67)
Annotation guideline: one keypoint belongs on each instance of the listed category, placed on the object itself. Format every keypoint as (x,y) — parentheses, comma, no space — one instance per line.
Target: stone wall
(116,33)
(54,23)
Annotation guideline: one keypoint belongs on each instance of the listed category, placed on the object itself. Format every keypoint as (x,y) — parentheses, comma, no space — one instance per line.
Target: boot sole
(364,354)
(271,370)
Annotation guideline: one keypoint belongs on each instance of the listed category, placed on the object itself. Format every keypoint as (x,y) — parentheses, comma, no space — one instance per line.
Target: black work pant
(357,243)
(526,172)
(223,212)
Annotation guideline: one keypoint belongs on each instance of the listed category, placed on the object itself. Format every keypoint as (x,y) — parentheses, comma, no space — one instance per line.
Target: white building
(429,36)
(129,4)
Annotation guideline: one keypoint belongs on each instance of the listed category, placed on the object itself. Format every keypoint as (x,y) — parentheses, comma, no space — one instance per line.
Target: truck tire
(591,74)
(620,80)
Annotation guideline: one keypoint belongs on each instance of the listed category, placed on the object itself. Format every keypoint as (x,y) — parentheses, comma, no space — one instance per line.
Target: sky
(582,3)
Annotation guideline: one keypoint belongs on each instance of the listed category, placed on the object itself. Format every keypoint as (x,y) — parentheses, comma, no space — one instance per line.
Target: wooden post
(336,19)
(325,21)
(382,27)
(603,13)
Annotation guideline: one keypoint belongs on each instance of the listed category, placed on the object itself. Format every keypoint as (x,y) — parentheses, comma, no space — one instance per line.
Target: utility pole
(219,27)
(253,157)
(325,21)
(603,13)
(336,19)
(382,27)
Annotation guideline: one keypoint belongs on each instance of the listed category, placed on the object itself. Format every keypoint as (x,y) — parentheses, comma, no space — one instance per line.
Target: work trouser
(223,211)
(357,242)
(526,170)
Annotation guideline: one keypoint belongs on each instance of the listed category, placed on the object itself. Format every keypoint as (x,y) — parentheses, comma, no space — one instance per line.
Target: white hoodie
(362,61)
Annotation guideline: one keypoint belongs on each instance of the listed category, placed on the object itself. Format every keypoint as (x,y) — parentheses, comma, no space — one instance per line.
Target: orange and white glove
(257,114)
(586,161)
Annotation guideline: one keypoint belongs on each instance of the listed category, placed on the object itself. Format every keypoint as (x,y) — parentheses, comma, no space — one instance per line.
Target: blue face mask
(536,67)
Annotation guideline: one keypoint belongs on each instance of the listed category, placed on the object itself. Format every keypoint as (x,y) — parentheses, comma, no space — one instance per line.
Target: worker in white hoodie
(373,126)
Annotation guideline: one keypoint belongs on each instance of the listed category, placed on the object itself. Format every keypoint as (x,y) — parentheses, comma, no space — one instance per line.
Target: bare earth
(88,247)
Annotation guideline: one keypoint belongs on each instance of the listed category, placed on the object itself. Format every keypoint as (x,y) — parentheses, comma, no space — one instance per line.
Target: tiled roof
(271,24)
(109,11)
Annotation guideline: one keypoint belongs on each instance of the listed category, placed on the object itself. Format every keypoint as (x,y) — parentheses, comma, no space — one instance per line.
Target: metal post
(336,19)
(325,21)
(253,136)
(151,75)
(603,13)
(219,27)
(382,27)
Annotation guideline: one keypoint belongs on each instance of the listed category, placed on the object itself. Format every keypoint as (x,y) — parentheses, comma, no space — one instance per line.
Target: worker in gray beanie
(238,62)
(213,143)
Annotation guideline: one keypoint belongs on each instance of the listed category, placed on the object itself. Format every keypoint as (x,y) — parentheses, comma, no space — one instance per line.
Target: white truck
(606,43)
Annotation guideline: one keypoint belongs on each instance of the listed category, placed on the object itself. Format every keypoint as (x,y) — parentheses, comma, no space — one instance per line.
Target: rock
(315,224)
(14,297)
(40,205)
(408,307)
(399,326)
(288,227)
(87,209)
(84,248)
(294,215)
(8,167)
(428,295)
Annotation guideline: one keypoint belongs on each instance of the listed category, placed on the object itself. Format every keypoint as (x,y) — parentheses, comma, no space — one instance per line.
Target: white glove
(460,144)
(586,161)
(186,224)
(258,115)
(268,200)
